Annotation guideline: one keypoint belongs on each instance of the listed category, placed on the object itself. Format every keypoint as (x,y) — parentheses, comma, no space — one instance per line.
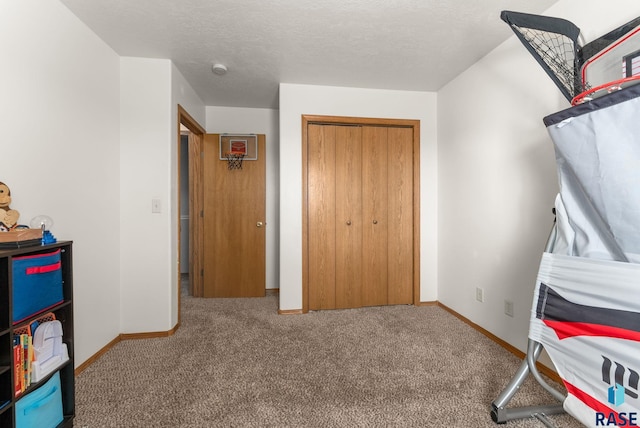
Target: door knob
(348,222)
(375,221)
(259,224)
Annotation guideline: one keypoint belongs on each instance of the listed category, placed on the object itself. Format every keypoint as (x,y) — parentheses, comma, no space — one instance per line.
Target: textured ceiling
(383,44)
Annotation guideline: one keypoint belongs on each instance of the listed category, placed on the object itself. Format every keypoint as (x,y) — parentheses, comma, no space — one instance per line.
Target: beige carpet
(236,363)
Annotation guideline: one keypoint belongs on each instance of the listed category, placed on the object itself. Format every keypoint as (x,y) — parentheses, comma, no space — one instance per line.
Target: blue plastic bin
(37,284)
(41,408)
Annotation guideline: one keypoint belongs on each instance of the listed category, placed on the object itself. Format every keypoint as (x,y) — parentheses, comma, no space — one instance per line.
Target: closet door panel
(321,172)
(400,238)
(348,216)
(375,217)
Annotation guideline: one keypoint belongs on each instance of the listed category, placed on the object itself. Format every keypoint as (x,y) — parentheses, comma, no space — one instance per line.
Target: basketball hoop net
(234,160)
(553,42)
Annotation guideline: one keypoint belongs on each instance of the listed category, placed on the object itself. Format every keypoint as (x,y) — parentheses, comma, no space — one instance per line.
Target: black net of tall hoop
(586,312)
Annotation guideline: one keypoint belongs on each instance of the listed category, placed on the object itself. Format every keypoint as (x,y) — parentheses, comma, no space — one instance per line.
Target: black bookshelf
(63,313)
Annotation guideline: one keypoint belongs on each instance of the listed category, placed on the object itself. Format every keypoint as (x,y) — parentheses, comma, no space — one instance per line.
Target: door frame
(360,121)
(195,202)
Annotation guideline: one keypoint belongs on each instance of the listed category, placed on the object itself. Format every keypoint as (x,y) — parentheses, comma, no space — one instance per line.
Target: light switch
(156,208)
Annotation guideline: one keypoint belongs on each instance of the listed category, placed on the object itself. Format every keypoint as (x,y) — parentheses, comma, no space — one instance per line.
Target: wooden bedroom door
(359,216)
(233,223)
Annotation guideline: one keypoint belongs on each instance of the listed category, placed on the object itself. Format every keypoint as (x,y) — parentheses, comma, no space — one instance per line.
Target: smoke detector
(219,69)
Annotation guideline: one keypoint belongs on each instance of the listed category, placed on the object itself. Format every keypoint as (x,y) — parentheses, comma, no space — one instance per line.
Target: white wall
(150,91)
(59,112)
(297,100)
(497,176)
(595,18)
(257,121)
(145,141)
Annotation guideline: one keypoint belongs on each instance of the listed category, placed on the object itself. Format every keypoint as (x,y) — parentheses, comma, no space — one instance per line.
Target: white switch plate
(156,207)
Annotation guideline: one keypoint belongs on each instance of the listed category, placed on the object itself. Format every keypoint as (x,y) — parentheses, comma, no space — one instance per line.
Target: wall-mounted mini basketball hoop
(236,148)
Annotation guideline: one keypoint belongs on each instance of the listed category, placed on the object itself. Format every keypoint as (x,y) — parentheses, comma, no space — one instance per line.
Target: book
(17,374)
(27,358)
(23,356)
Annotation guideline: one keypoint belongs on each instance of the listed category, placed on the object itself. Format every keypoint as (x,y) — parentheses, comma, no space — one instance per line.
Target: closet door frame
(359,121)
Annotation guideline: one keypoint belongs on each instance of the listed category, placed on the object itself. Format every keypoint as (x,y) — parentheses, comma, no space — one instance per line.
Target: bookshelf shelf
(63,312)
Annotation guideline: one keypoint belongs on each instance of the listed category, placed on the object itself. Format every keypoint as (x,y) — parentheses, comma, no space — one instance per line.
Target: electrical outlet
(508,308)
(479,294)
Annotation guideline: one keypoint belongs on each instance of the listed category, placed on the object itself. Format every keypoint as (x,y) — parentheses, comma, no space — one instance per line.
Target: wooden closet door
(348,216)
(400,215)
(360,226)
(374,215)
(321,206)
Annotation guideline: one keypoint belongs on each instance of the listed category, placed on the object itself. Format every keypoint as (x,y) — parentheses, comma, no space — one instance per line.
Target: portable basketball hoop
(234,160)
(595,154)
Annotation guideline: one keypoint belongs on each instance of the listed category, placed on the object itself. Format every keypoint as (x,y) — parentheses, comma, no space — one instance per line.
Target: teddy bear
(8,217)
